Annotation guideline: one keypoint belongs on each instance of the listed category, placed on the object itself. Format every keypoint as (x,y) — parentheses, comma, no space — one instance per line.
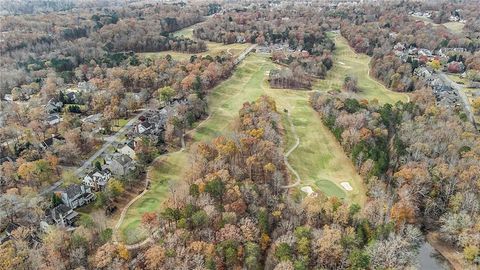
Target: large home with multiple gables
(128,149)
(76,195)
(120,164)
(62,216)
(97,179)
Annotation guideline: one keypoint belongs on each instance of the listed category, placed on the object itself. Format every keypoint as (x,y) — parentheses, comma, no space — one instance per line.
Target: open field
(319,159)
(213,48)
(347,62)
(455,27)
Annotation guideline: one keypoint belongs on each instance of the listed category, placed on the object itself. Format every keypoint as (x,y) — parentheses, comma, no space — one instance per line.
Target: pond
(430,259)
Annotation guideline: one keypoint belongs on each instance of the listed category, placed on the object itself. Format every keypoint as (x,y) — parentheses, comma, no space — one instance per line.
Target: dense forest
(418,159)
(75,80)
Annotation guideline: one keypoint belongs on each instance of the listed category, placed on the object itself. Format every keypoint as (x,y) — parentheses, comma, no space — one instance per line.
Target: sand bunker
(346,186)
(307,189)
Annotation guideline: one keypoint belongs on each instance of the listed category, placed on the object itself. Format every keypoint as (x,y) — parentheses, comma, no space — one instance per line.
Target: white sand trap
(307,189)
(341,63)
(346,186)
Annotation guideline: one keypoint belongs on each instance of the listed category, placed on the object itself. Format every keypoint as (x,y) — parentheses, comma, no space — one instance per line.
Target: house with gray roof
(76,195)
(120,164)
(62,215)
(97,180)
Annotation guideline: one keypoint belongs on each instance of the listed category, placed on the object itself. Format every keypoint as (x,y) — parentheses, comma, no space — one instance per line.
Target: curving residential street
(461,94)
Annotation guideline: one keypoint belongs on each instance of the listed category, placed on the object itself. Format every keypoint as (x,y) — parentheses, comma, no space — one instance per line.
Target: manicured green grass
(168,171)
(186,32)
(213,49)
(319,159)
(347,62)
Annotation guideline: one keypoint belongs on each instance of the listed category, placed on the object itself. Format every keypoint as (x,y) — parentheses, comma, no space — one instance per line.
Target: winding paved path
(125,209)
(285,157)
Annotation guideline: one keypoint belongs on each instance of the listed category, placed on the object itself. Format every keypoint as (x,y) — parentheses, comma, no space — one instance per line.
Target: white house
(143,127)
(97,180)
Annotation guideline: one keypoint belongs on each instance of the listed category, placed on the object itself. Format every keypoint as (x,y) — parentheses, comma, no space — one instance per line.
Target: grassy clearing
(319,160)
(455,27)
(167,170)
(347,62)
(213,48)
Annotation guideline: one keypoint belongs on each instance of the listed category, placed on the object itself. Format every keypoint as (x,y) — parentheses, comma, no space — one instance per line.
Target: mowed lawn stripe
(347,62)
(319,159)
(171,168)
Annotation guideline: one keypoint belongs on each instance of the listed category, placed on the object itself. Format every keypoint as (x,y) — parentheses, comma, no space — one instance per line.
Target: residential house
(143,127)
(54,139)
(453,18)
(413,51)
(399,47)
(8,97)
(93,119)
(76,195)
(53,106)
(31,238)
(71,97)
(423,72)
(5,159)
(128,149)
(86,87)
(120,164)
(425,52)
(62,215)
(240,39)
(97,180)
(444,51)
(53,119)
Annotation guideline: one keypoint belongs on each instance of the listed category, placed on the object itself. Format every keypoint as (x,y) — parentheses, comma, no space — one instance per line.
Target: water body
(430,259)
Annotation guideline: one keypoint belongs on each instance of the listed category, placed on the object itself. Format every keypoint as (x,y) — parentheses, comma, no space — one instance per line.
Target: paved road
(108,142)
(459,89)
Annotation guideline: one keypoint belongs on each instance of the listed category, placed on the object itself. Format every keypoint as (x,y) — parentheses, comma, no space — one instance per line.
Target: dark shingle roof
(73,190)
(123,159)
